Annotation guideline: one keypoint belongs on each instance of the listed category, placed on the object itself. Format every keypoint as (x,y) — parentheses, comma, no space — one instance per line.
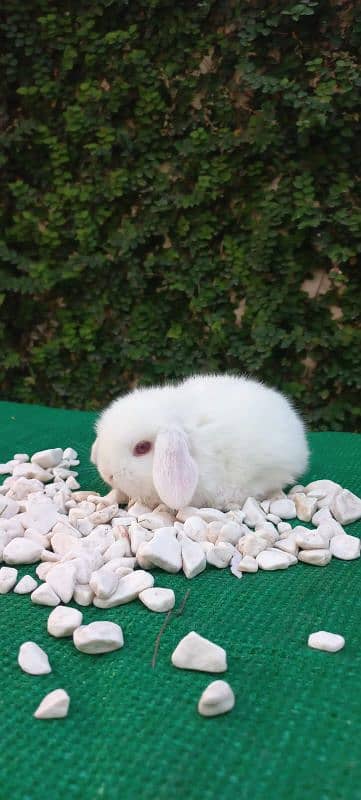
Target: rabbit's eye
(142,448)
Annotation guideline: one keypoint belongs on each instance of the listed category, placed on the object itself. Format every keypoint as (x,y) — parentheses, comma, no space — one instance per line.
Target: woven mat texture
(134,731)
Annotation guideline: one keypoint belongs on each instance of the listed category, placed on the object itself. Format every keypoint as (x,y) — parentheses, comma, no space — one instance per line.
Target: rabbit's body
(215,439)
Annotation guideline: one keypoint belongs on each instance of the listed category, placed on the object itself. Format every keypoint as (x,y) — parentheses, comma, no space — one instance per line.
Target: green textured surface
(134,732)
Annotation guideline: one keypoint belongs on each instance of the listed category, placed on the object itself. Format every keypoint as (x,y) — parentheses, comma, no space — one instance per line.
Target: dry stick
(160,634)
(165,623)
(185,598)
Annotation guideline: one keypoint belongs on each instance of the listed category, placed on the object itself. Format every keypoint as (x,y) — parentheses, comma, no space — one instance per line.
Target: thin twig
(185,598)
(160,634)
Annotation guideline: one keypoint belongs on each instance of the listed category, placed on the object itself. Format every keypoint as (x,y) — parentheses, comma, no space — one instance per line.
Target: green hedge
(181,192)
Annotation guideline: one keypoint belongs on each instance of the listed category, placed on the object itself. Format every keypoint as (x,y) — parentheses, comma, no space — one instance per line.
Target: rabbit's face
(143,453)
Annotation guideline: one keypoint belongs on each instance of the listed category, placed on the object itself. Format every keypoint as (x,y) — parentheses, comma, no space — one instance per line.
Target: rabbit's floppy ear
(175,473)
(93,452)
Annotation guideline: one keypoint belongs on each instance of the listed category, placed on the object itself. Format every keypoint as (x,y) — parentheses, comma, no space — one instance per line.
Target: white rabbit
(211,440)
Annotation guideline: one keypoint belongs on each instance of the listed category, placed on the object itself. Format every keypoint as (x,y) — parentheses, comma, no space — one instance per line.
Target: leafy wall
(181,192)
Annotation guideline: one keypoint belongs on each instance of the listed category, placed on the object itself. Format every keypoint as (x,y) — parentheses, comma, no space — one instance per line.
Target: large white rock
(322,488)
(62,621)
(345,547)
(196,652)
(8,578)
(323,640)
(319,557)
(217,698)
(310,540)
(26,585)
(103,582)
(305,506)
(253,514)
(48,458)
(54,705)
(22,551)
(158,599)
(32,471)
(32,659)
(127,590)
(98,637)
(193,557)
(41,515)
(163,550)
(62,579)
(346,507)
(44,595)
(273,559)
(284,508)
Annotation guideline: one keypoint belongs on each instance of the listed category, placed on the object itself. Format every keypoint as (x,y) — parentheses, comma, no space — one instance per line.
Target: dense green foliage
(181,193)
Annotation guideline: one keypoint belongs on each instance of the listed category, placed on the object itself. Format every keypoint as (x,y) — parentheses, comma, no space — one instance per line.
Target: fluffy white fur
(215,441)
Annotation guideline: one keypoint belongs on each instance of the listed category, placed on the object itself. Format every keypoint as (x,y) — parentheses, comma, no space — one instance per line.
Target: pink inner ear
(175,473)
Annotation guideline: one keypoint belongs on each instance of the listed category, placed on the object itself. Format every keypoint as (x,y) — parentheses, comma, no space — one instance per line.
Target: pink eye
(142,448)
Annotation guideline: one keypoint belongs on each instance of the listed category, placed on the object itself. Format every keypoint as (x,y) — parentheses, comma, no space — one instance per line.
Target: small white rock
(251,544)
(284,527)
(21,457)
(319,558)
(33,660)
(283,508)
(8,578)
(345,547)
(346,507)
(70,454)
(217,698)
(22,551)
(196,652)
(62,579)
(248,564)
(234,564)
(103,582)
(158,599)
(26,585)
(83,595)
(63,621)
(98,637)
(44,595)
(220,555)
(253,513)
(54,705)
(272,559)
(196,528)
(164,550)
(193,558)
(127,590)
(305,506)
(310,540)
(323,640)
(48,458)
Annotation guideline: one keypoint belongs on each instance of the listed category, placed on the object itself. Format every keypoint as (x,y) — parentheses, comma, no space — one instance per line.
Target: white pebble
(127,590)
(346,507)
(220,555)
(26,585)
(21,457)
(248,564)
(8,578)
(83,595)
(345,547)
(283,508)
(305,506)
(234,564)
(288,544)
(251,544)
(70,454)
(54,705)
(32,659)
(253,513)
(22,551)
(319,558)
(164,550)
(284,527)
(310,540)
(158,599)
(196,528)
(63,621)
(323,640)
(272,559)
(44,595)
(48,458)
(103,582)
(98,637)
(193,558)
(217,698)
(322,488)
(196,652)
(62,579)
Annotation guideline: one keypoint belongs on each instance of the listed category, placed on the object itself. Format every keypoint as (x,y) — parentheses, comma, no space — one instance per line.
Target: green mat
(134,732)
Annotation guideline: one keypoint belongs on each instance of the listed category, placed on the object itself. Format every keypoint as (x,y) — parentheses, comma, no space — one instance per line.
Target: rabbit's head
(142,449)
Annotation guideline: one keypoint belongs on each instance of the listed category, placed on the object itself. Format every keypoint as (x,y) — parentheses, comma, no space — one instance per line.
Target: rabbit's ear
(175,473)
(93,452)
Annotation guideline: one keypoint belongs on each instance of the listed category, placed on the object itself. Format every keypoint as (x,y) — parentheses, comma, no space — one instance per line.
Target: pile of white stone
(91,551)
